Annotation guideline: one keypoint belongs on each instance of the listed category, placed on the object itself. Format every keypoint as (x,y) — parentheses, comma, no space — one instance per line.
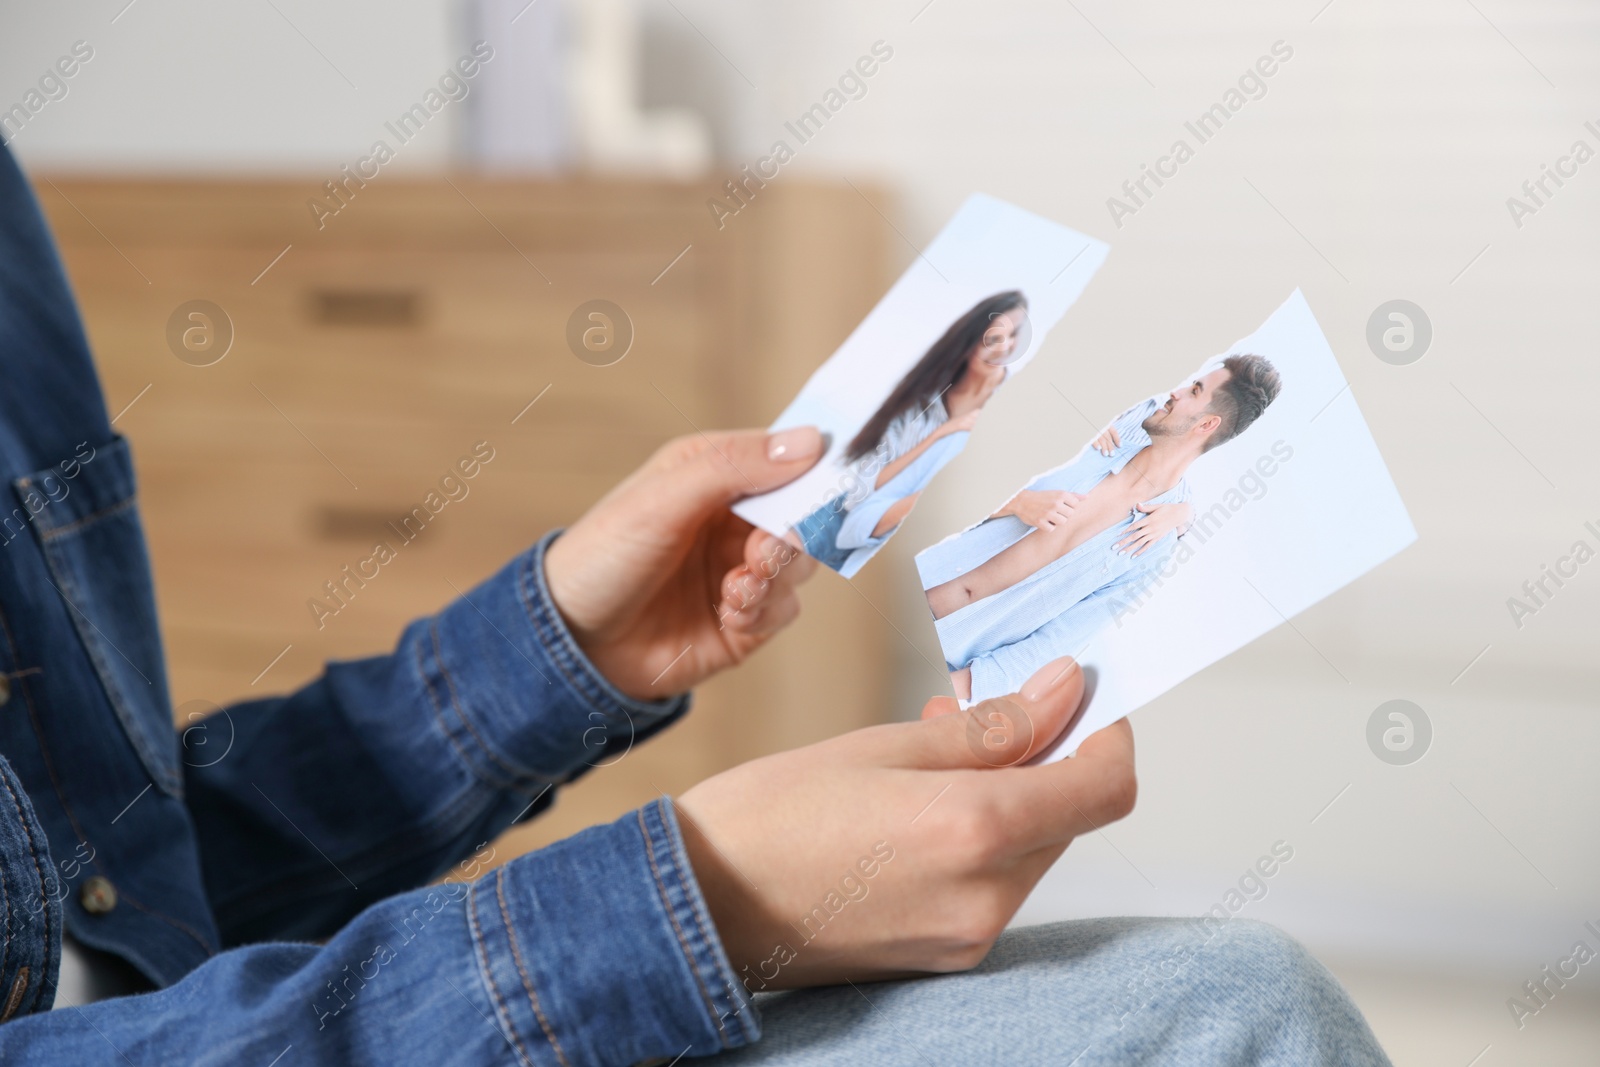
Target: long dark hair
(942,367)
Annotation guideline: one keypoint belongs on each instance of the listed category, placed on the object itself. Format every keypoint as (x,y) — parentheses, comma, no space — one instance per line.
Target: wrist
(589,664)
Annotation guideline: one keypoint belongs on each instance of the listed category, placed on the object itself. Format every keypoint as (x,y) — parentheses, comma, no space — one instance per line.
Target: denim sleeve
(379,775)
(596,950)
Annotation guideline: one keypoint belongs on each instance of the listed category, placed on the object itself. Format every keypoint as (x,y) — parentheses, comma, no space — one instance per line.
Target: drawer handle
(371,307)
(342,523)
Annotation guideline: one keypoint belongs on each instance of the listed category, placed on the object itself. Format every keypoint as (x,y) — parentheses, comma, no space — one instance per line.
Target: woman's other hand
(1107,442)
(1157,523)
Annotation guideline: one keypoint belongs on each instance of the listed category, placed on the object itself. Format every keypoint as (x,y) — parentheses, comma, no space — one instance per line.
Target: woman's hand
(1157,523)
(1041,509)
(661,584)
(1107,442)
(899,849)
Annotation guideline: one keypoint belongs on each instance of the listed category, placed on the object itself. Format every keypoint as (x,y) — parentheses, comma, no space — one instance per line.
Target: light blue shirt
(863,515)
(1053,612)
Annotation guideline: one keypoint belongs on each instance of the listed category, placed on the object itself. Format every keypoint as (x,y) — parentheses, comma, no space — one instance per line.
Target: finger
(693,477)
(755,578)
(772,615)
(1002,732)
(940,706)
(1052,803)
(766,555)
(1116,438)
(789,580)
(753,604)
(741,595)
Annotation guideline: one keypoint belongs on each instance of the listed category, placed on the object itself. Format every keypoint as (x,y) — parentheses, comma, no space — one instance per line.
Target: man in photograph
(1040,577)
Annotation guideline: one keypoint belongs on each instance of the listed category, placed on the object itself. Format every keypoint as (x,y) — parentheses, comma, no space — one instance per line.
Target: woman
(919,428)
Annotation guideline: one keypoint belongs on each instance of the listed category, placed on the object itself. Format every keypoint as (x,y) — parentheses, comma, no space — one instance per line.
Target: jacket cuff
(504,641)
(649,978)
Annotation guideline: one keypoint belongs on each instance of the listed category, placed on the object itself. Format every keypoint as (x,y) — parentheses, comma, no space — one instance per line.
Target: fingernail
(1049,677)
(776,548)
(786,446)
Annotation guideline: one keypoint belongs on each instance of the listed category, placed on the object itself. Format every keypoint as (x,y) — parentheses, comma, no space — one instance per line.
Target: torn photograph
(1199,519)
(902,395)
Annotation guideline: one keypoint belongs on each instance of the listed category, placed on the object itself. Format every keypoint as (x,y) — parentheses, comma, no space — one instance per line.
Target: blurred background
(360,333)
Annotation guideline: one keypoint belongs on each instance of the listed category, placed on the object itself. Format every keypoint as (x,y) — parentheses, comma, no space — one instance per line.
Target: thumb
(694,476)
(1004,731)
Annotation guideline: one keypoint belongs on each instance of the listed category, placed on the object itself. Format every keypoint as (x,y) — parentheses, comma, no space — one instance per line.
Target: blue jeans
(819,532)
(1086,993)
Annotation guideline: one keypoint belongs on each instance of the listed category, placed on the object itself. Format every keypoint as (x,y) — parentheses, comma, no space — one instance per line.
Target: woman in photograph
(921,426)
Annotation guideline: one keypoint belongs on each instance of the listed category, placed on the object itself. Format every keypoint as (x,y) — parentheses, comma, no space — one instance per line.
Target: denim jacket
(268,869)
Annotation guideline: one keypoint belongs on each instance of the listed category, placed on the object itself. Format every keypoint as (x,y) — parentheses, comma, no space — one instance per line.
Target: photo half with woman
(899,399)
(1051,567)
(922,425)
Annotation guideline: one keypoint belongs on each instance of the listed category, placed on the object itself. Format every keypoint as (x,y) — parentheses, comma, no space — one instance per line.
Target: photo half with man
(904,393)
(1203,516)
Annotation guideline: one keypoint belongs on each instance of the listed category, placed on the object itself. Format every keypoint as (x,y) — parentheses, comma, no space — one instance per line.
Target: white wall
(185,84)
(1389,144)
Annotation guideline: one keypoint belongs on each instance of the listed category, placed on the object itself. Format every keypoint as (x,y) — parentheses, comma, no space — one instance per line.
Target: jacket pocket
(88,527)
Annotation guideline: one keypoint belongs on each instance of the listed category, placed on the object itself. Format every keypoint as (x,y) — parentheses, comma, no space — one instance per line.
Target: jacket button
(98,896)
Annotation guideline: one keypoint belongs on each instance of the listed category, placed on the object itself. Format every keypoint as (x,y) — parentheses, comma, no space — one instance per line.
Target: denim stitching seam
(486,969)
(455,705)
(672,916)
(554,642)
(516,956)
(52,533)
(472,765)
